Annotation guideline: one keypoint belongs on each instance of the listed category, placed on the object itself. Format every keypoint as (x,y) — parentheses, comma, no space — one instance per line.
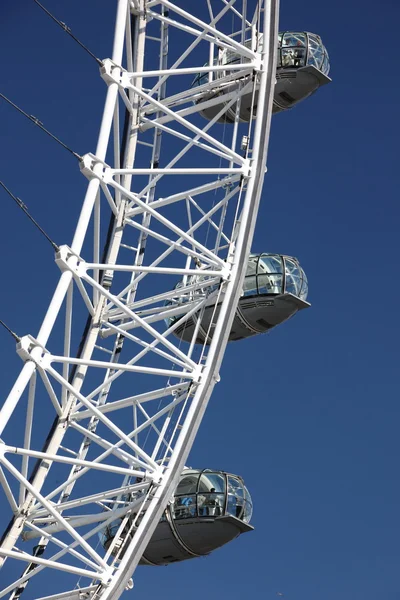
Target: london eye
(159,277)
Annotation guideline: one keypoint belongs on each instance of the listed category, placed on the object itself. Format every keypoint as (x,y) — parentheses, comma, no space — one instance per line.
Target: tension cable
(15,336)
(36,121)
(24,208)
(67,29)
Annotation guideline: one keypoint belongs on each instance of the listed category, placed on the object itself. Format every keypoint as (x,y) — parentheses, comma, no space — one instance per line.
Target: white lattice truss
(123,415)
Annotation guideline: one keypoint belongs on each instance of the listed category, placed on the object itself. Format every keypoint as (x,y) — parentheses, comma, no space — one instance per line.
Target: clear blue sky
(308,415)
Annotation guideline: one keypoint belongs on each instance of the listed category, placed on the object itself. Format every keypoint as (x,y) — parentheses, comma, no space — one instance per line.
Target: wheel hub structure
(171,198)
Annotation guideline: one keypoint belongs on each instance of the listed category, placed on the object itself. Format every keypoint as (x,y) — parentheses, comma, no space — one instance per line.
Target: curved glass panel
(296,280)
(270,263)
(268,278)
(211,504)
(250,286)
(269,284)
(275,274)
(248,506)
(293,38)
(184,507)
(293,276)
(217,494)
(252,265)
(315,51)
(301,48)
(212,482)
(325,64)
(235,499)
(231,504)
(188,484)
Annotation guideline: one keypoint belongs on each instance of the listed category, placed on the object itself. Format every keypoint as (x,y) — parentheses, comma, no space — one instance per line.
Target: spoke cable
(36,121)
(10,331)
(24,208)
(67,30)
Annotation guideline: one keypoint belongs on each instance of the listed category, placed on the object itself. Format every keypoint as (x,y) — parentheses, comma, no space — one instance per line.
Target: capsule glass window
(211,494)
(188,484)
(252,265)
(295,278)
(250,286)
(317,54)
(270,263)
(184,507)
(248,506)
(298,49)
(235,497)
(212,481)
(269,284)
(294,38)
(269,274)
(211,504)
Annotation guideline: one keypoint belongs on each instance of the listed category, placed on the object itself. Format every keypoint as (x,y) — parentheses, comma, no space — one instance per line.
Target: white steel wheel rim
(203,228)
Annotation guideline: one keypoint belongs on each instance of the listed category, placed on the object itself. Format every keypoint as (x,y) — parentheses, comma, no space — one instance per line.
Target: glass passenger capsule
(302,67)
(275,288)
(209,509)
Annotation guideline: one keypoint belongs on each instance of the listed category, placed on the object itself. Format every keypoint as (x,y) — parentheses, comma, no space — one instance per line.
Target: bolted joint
(94,168)
(113,73)
(217,377)
(107,279)
(245,143)
(177,392)
(258,63)
(66,260)
(226,274)
(246,168)
(86,165)
(28,348)
(158,477)
(106,576)
(197,374)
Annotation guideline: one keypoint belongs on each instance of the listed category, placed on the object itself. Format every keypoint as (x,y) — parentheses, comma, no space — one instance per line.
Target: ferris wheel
(159,277)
